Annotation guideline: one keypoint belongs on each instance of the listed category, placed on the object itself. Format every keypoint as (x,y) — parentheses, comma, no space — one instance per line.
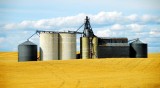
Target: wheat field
(91,73)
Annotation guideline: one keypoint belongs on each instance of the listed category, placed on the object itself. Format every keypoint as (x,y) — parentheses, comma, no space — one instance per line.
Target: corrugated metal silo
(27,51)
(67,45)
(95,47)
(138,49)
(84,47)
(48,46)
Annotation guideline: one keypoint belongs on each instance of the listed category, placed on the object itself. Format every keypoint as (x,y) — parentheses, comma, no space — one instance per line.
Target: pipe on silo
(48,46)
(67,46)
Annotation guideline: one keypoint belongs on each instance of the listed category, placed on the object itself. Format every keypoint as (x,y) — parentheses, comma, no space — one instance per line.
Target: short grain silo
(67,45)
(89,47)
(49,45)
(27,51)
(138,49)
(95,47)
(84,47)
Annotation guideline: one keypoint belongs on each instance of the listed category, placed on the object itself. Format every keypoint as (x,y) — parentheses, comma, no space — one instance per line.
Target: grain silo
(95,47)
(48,45)
(138,49)
(27,51)
(87,48)
(84,47)
(67,45)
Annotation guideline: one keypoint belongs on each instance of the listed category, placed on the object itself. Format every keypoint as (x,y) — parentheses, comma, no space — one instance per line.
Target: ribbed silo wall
(138,50)
(95,47)
(27,51)
(67,46)
(49,46)
(84,47)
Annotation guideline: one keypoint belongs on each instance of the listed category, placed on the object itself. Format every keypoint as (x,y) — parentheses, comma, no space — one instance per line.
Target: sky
(19,19)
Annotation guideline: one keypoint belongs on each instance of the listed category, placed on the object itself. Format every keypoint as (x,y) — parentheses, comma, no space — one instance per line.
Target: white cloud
(103,32)
(155,32)
(135,27)
(132,17)
(103,16)
(117,27)
(104,24)
(54,23)
(2,40)
(10,26)
(99,19)
(150,18)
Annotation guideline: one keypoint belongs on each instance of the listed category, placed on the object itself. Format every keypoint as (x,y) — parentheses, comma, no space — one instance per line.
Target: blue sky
(109,18)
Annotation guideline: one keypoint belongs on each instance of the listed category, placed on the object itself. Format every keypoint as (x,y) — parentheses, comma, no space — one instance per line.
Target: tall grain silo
(27,51)
(67,45)
(49,46)
(95,47)
(138,49)
(84,47)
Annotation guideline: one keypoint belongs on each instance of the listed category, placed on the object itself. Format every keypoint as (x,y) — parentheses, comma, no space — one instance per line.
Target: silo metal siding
(80,47)
(48,46)
(67,46)
(27,52)
(105,40)
(85,47)
(113,51)
(95,45)
(138,50)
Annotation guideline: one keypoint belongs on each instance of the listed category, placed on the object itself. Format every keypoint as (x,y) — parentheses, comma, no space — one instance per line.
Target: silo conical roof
(137,42)
(27,43)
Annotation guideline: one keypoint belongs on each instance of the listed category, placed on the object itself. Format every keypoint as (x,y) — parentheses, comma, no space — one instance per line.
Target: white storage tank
(67,45)
(84,47)
(48,46)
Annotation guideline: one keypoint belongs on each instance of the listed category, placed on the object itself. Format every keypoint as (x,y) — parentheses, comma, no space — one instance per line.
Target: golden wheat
(91,73)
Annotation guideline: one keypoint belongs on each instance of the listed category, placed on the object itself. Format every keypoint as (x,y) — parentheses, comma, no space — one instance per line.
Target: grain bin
(48,45)
(27,51)
(67,45)
(138,49)
(84,47)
